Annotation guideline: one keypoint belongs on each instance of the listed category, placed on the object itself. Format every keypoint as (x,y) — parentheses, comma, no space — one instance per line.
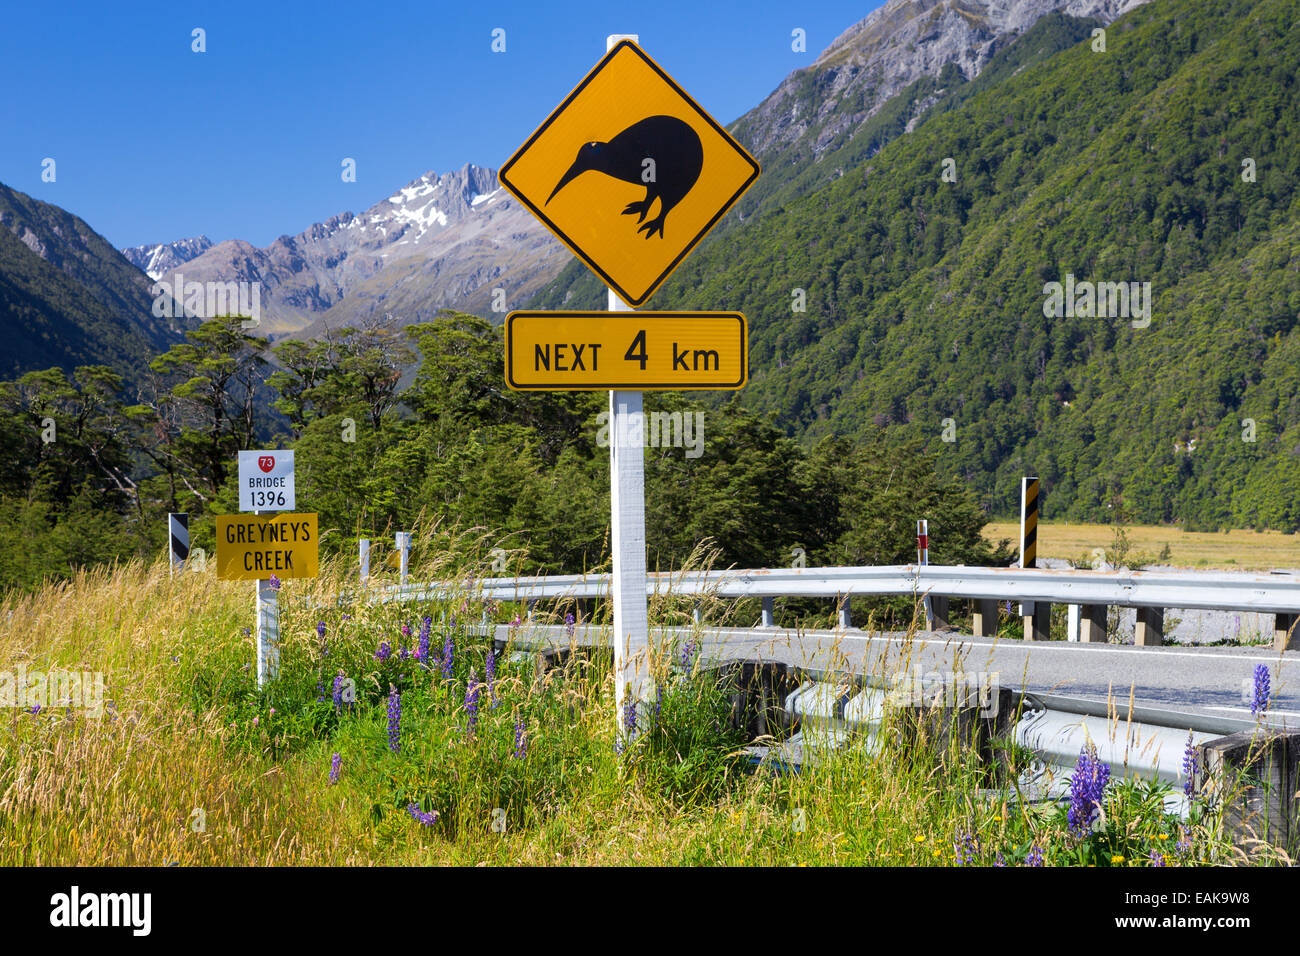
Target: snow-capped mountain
(441,241)
(156,261)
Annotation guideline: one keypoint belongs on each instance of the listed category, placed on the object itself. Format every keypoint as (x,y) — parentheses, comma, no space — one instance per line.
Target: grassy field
(1253,550)
(391,738)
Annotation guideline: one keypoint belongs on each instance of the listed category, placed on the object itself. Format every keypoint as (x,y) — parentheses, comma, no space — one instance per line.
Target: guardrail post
(1092,623)
(938,612)
(769,612)
(1150,630)
(985,619)
(532,603)
(1256,775)
(1037,618)
(695,613)
(1286,636)
(364,546)
(846,618)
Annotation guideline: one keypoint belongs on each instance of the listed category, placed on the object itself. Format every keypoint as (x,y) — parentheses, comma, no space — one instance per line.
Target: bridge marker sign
(648,351)
(628,141)
(266,481)
(255,547)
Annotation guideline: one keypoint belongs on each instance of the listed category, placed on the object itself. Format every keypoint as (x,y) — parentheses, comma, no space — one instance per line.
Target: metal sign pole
(627,516)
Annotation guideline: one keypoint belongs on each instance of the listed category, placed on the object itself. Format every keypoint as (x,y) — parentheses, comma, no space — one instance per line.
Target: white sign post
(627,515)
(266,484)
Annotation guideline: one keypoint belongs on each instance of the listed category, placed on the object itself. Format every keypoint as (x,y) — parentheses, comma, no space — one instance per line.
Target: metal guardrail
(1275,592)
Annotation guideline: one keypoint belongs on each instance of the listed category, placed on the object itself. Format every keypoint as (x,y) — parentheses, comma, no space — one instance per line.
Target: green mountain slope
(67,297)
(925,299)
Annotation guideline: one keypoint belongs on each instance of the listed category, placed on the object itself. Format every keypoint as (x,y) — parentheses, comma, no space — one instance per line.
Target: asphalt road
(1209,680)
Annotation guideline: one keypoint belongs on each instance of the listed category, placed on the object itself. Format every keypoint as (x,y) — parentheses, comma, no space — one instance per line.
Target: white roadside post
(922,559)
(627,516)
(364,547)
(403,543)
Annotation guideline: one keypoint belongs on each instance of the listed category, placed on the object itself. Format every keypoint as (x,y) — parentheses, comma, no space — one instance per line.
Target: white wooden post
(404,554)
(268,632)
(364,546)
(627,515)
(267,604)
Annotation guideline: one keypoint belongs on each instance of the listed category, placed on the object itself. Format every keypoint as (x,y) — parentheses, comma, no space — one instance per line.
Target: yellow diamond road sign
(629,172)
(636,351)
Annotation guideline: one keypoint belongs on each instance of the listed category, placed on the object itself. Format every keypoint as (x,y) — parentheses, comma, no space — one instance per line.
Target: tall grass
(191,763)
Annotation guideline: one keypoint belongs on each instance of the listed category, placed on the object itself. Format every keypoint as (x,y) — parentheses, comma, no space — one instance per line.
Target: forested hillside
(1171,158)
(529,471)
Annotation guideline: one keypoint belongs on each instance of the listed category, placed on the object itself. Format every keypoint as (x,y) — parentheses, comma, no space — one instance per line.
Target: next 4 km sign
(575,351)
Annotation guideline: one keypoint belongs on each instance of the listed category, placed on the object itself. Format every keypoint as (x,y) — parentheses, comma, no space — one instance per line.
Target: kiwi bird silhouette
(677,159)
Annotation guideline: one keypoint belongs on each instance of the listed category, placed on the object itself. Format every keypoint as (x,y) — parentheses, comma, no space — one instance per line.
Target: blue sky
(154,142)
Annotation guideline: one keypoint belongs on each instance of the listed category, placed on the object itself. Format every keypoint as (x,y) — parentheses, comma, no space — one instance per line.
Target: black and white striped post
(178,533)
(1036,617)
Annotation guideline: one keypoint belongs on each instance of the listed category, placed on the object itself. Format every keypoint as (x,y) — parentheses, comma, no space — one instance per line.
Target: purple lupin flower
(966,848)
(1260,699)
(394,719)
(688,655)
(1190,766)
(1087,785)
(384,651)
(491,677)
(448,650)
(336,762)
(471,704)
(521,741)
(320,691)
(629,714)
(274,582)
(320,630)
(338,692)
(1035,856)
(428,819)
(1155,858)
(568,625)
(422,649)
(998,860)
